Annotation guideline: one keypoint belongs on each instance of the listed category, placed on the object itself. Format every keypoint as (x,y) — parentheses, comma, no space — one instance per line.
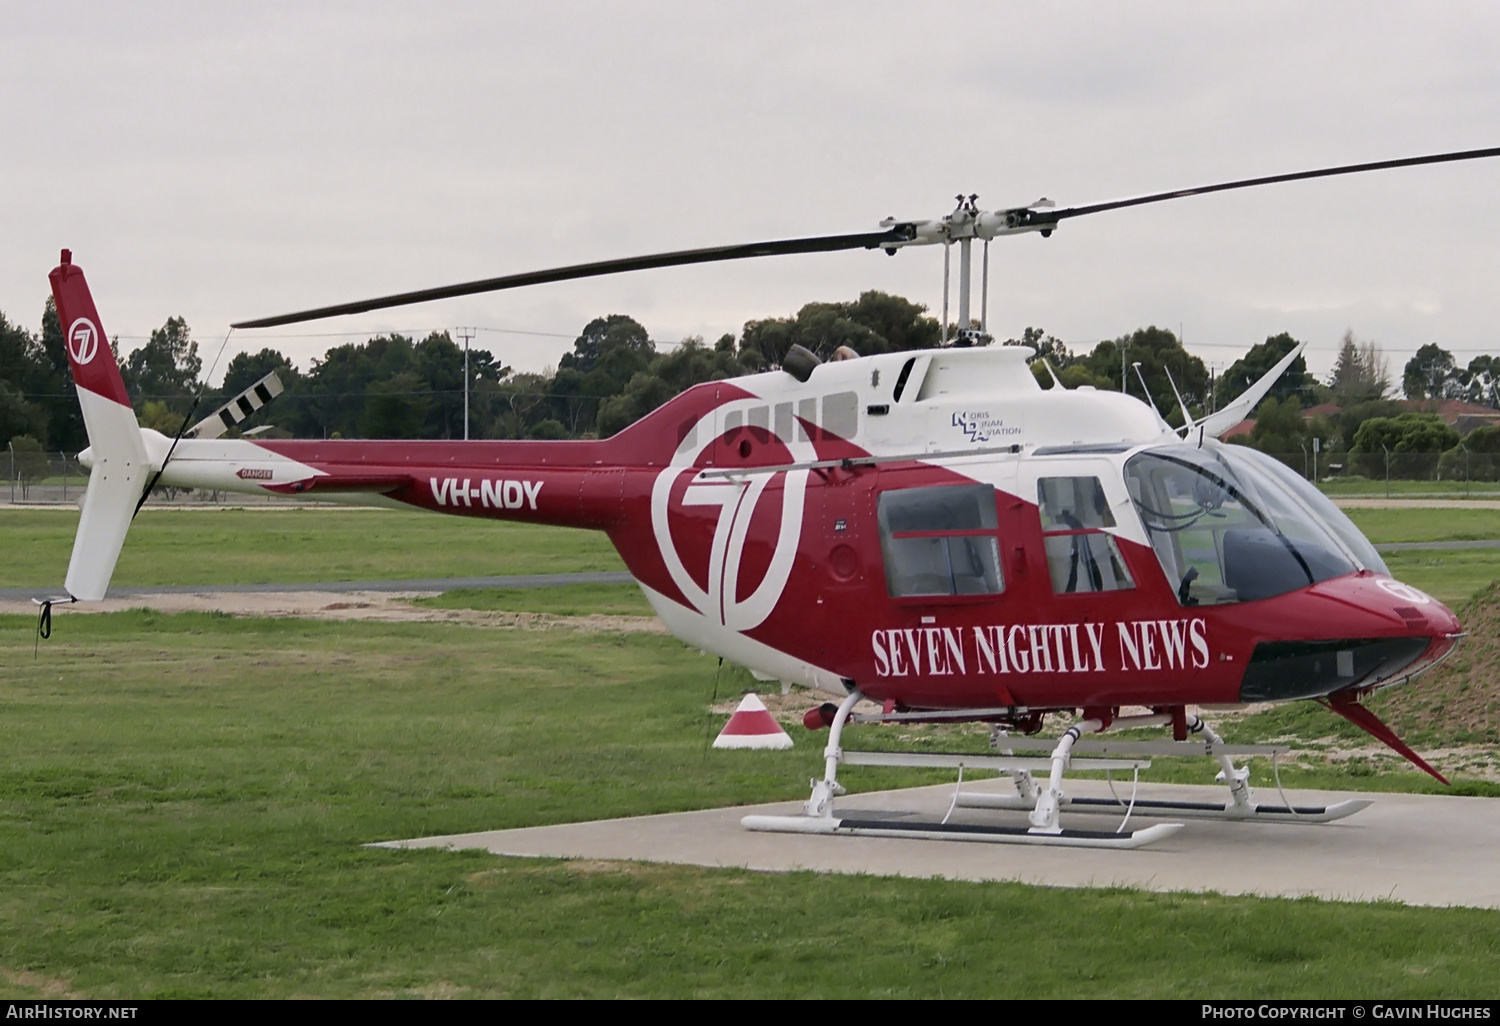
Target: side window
(940,541)
(1080,556)
(841,414)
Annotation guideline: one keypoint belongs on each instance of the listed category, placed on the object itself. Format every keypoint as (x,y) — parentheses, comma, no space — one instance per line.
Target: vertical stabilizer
(120,467)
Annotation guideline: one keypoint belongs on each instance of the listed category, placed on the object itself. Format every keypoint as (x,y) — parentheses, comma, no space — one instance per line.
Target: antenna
(1137,366)
(1186,416)
(1055,379)
(466,334)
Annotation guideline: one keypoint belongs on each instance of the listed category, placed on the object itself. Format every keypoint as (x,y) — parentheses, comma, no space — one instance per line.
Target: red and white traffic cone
(752,726)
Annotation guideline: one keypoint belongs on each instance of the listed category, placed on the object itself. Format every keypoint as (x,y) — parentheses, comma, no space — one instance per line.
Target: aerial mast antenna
(466,334)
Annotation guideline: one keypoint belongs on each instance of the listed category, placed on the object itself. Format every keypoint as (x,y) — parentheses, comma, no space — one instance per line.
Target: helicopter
(929,531)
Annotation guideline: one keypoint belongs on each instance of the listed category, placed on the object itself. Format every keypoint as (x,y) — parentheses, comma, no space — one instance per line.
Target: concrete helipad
(1416,849)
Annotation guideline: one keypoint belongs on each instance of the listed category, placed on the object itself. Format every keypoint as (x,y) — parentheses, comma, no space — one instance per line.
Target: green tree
(397,407)
(30,462)
(31,389)
(875,323)
(1481,381)
(158,416)
(19,418)
(1413,440)
(1351,418)
(1432,374)
(1476,458)
(1361,373)
(1279,426)
(165,368)
(1158,351)
(1253,366)
(248,368)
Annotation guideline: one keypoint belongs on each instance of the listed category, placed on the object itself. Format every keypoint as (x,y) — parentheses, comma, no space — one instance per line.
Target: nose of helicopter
(1374,631)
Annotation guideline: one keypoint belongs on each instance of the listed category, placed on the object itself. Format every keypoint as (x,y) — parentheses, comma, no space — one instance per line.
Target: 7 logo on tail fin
(83,341)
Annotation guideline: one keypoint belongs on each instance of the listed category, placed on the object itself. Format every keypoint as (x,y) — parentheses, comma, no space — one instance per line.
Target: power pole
(466,334)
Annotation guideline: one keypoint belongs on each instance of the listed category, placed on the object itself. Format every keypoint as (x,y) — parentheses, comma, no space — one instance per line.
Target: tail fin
(120,467)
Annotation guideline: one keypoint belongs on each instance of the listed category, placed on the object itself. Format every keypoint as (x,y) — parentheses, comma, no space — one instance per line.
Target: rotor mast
(963,226)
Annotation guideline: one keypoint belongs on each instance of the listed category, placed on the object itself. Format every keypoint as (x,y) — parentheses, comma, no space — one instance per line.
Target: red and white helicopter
(929,530)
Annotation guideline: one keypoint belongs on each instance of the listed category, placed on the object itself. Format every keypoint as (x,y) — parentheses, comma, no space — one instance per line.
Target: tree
(604,336)
(1158,351)
(19,418)
(29,387)
(1476,458)
(396,408)
(165,368)
(1048,347)
(1254,365)
(1361,373)
(1432,374)
(1279,426)
(248,368)
(874,323)
(30,462)
(1481,381)
(1411,437)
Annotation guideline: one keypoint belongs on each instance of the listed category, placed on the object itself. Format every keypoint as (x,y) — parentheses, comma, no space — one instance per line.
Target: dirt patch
(1461,696)
(42,985)
(387,606)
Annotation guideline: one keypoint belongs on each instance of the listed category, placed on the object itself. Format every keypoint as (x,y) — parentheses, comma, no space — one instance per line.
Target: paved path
(426,584)
(1416,849)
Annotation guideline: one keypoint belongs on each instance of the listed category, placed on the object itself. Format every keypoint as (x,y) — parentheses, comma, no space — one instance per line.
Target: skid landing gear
(818,814)
(1044,805)
(1241,806)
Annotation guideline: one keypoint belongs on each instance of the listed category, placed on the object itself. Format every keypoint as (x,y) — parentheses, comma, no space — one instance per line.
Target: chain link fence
(1456,472)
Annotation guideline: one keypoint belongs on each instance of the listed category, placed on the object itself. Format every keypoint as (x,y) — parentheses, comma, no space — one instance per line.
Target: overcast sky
(222,162)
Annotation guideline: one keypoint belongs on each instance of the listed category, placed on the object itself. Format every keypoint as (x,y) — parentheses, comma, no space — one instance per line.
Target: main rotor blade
(1054,216)
(776,247)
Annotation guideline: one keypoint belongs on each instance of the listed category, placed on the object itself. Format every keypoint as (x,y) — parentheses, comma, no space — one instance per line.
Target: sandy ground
(389,606)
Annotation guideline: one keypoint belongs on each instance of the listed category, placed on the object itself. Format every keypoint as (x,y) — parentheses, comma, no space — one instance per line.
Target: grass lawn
(183,801)
(1425,525)
(169,546)
(1449,576)
(1397,487)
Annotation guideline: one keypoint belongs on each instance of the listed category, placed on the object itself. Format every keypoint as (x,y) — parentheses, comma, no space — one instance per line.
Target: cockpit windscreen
(1227,528)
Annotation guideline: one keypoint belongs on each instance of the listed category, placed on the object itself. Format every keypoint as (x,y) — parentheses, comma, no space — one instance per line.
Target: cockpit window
(1227,530)
(1316,503)
(1080,556)
(941,541)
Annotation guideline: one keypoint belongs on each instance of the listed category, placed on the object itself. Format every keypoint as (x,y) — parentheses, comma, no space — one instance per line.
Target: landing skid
(831,825)
(1228,811)
(1044,806)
